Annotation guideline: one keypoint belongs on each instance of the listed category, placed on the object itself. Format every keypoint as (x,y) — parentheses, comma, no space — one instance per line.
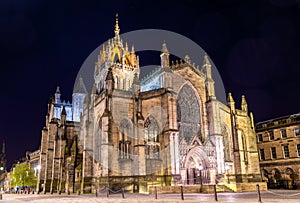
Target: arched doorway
(196,168)
(288,179)
(275,180)
(265,176)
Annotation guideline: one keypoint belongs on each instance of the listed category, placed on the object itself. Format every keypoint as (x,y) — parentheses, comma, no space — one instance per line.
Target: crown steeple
(117,28)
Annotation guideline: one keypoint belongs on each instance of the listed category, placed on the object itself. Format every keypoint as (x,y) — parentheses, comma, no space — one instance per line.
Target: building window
(271,135)
(125,131)
(298,149)
(286,152)
(152,138)
(297,131)
(260,138)
(273,153)
(283,133)
(262,154)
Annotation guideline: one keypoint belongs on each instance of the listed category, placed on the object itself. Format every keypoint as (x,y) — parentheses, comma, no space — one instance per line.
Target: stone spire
(230,101)
(63,115)
(63,111)
(244,105)
(57,95)
(210,84)
(57,90)
(207,66)
(164,48)
(132,49)
(117,28)
(164,56)
(80,87)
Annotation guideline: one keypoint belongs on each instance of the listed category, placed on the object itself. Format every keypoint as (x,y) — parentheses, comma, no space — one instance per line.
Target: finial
(206,60)
(63,112)
(126,46)
(187,59)
(132,49)
(230,98)
(164,48)
(244,104)
(117,29)
(57,90)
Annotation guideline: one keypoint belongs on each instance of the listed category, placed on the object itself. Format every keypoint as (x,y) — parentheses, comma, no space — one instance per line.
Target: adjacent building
(278,143)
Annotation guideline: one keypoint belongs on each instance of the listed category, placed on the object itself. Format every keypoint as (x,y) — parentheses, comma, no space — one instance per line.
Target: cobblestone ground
(266,196)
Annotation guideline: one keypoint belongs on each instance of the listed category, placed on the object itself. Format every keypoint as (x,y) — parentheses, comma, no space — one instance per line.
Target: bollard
(258,193)
(215,191)
(78,192)
(0,196)
(68,192)
(96,193)
(59,192)
(123,193)
(181,191)
(107,193)
(155,192)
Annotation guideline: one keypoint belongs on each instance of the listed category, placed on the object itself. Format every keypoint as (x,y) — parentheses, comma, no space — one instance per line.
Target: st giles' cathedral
(167,129)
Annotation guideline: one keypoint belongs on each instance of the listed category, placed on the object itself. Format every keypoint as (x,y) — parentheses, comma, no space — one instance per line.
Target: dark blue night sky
(254,44)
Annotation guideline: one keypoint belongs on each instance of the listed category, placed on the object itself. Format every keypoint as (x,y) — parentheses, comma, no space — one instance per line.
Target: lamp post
(200,167)
(227,168)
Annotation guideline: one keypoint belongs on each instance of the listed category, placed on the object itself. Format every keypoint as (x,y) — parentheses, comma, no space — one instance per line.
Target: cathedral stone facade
(167,129)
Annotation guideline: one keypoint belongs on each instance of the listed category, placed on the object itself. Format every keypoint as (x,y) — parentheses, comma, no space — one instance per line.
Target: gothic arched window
(188,113)
(125,131)
(152,138)
(226,142)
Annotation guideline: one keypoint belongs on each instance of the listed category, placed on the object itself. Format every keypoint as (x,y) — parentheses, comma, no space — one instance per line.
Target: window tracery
(125,130)
(152,138)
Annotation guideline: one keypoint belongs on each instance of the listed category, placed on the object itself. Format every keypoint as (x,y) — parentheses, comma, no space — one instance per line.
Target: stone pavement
(276,196)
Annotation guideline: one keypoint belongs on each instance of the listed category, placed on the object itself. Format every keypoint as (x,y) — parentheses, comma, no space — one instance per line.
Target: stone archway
(288,178)
(275,180)
(196,168)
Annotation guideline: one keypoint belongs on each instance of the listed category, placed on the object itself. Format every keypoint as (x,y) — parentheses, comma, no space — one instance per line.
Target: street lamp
(227,168)
(200,167)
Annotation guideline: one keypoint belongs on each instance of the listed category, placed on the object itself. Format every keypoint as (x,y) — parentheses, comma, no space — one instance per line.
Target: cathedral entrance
(196,170)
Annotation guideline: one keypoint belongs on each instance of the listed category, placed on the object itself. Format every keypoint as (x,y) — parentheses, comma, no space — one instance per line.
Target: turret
(79,94)
(164,56)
